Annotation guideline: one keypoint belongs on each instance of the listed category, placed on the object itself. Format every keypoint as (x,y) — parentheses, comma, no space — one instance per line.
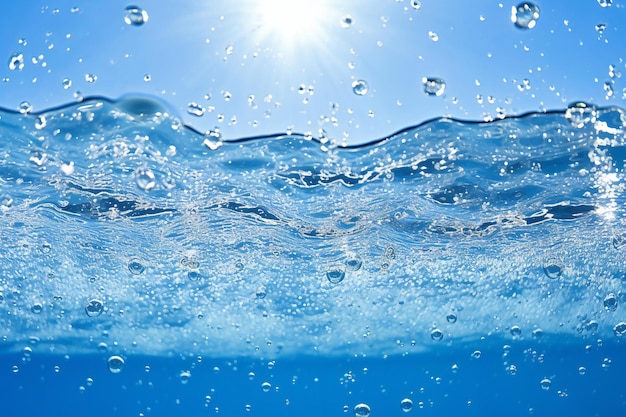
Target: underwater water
(452,268)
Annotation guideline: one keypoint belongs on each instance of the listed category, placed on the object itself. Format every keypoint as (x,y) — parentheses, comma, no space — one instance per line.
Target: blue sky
(266,66)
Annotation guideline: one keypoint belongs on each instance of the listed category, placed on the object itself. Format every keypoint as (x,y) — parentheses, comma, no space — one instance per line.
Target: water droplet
(346,22)
(195,109)
(605,3)
(145,179)
(354,264)
(433,36)
(582,370)
(27,352)
(476,354)
(115,363)
(619,329)
(147,78)
(266,387)
(610,302)
(360,87)
(451,318)
(184,377)
(335,276)
(135,16)
(600,28)
(40,122)
(516,331)
(229,49)
(580,114)
(362,410)
(608,89)
(213,140)
(545,384)
(25,107)
(91,78)
(406,405)
(434,86)
(537,333)
(525,15)
(36,308)
(552,268)
(416,4)
(16,62)
(135,267)
(67,83)
(94,308)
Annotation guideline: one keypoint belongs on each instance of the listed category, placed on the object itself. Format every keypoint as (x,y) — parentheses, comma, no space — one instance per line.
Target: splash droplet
(135,16)
(25,107)
(416,4)
(67,83)
(16,62)
(434,86)
(580,114)
(525,15)
(145,179)
(195,109)
(360,87)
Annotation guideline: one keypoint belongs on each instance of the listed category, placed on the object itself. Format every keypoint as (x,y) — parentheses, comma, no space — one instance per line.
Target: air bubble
(605,3)
(115,363)
(184,377)
(354,264)
(433,36)
(135,16)
(416,4)
(193,275)
(91,78)
(40,122)
(610,302)
(266,387)
(261,293)
(145,179)
(16,62)
(335,276)
(619,329)
(362,410)
(451,318)
(36,308)
(545,384)
(537,333)
(436,335)
(135,267)
(94,308)
(406,405)
(552,268)
(360,87)
(525,15)
(516,331)
(67,83)
(434,86)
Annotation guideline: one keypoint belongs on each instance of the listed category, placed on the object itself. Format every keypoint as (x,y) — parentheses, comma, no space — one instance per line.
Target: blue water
(473,268)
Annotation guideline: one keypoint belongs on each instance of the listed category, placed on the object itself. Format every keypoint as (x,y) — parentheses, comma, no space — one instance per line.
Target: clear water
(146,266)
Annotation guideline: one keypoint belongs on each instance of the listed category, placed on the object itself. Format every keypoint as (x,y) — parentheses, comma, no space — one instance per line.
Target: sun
(292,21)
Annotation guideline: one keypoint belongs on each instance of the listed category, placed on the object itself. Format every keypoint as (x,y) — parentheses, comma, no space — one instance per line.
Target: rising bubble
(354,264)
(451,318)
(610,302)
(525,15)
(360,87)
(115,363)
(605,3)
(36,308)
(94,308)
(434,86)
(406,405)
(266,386)
(135,16)
(135,267)
(553,268)
(545,384)
(362,410)
(436,335)
(620,329)
(335,276)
